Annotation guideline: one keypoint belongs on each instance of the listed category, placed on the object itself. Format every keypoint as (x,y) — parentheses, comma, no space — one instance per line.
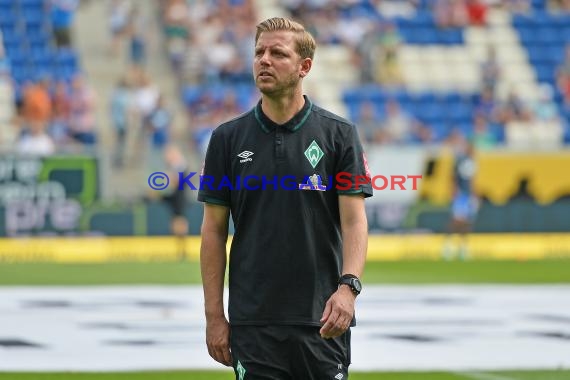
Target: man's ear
(306,65)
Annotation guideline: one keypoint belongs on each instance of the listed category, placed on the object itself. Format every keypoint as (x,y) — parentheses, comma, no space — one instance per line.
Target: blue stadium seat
(372,92)
(425,19)
(191,94)
(20,59)
(549,36)
(498,132)
(528,36)
(555,55)
(459,113)
(429,113)
(545,73)
(22,74)
(64,73)
(8,18)
(521,21)
(440,130)
(450,37)
(31,3)
(542,33)
(542,17)
(538,4)
(34,15)
(426,35)
(66,57)
(6,6)
(12,37)
(560,20)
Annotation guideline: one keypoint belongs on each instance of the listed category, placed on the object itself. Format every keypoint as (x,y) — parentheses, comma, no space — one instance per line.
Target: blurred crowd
(210,48)
(50,110)
(369,30)
(209,45)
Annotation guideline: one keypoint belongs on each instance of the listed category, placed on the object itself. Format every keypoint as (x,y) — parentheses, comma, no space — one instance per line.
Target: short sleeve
(214,173)
(352,173)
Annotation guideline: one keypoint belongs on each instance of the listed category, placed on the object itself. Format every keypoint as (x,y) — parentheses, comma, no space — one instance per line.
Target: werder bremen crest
(314,154)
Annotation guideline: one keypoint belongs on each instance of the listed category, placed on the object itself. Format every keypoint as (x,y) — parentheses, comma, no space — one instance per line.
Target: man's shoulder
(326,114)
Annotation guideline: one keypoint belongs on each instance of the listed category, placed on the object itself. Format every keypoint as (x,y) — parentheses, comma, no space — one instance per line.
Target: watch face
(357,285)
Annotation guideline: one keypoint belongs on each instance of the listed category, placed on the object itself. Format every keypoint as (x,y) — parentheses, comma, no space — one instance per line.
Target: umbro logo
(245,156)
(339,376)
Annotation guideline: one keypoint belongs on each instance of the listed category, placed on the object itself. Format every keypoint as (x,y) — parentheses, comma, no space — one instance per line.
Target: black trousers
(288,353)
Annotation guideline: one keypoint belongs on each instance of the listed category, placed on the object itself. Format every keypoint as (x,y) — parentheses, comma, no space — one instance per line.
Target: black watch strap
(352,281)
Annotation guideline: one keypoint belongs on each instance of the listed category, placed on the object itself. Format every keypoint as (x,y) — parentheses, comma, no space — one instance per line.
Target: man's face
(277,67)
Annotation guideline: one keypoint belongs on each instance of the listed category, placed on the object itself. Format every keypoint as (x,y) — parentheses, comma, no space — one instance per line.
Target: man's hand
(218,340)
(338,313)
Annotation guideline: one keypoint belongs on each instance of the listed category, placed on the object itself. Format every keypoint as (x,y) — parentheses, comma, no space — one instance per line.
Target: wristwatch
(352,281)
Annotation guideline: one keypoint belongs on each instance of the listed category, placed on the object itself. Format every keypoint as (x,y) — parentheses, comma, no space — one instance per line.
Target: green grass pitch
(400,272)
(182,273)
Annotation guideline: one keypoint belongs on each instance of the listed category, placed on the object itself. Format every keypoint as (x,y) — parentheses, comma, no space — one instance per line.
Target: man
(300,244)
(465,204)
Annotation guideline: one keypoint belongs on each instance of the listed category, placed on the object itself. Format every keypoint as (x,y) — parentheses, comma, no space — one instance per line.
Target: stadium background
(96,95)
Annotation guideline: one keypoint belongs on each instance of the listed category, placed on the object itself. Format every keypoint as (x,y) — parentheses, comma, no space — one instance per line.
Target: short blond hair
(306,44)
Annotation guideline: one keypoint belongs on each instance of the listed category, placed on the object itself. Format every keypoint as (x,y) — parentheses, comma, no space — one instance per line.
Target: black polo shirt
(286,253)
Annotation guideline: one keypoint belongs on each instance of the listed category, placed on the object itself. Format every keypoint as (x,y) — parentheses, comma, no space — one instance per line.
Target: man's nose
(264,59)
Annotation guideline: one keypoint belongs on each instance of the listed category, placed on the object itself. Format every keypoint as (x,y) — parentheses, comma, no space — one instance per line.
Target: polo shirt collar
(292,125)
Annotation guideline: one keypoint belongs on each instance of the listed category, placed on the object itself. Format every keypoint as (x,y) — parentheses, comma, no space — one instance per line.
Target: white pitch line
(482,376)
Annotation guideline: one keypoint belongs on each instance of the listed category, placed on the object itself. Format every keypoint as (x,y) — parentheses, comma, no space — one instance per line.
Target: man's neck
(281,110)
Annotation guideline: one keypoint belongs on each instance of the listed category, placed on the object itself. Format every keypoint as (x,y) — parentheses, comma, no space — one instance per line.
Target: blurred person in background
(118,19)
(548,125)
(137,32)
(365,53)
(563,77)
(399,127)
(82,112)
(368,122)
(176,199)
(8,132)
(61,104)
(145,99)
(4,61)
(120,107)
(559,5)
(397,124)
(36,142)
(490,70)
(450,13)
(514,109)
(387,64)
(487,105)
(396,8)
(62,16)
(482,138)
(293,274)
(36,105)
(175,18)
(516,6)
(172,163)
(545,109)
(477,12)
(465,203)
(158,125)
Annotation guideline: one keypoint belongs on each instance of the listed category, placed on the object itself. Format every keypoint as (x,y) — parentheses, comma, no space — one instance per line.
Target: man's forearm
(213,267)
(355,246)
